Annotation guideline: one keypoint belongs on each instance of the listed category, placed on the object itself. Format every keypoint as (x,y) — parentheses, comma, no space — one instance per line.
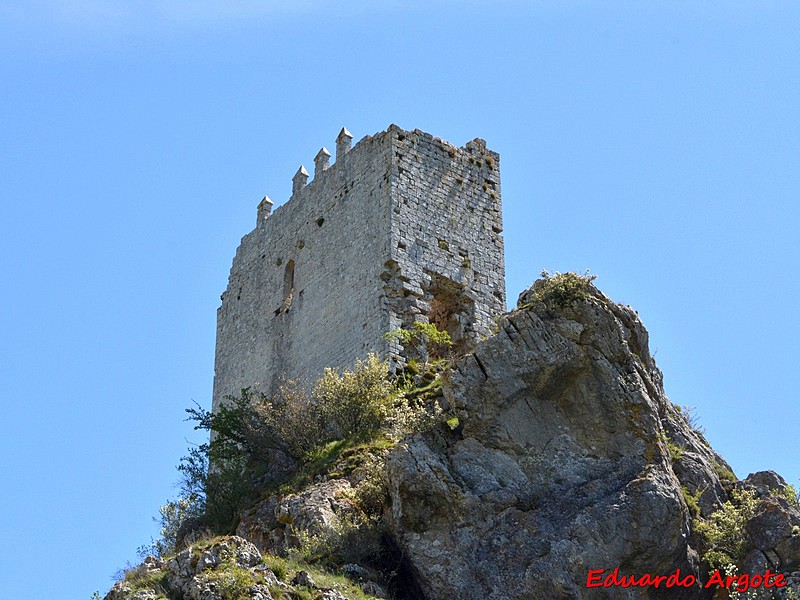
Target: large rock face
(561,464)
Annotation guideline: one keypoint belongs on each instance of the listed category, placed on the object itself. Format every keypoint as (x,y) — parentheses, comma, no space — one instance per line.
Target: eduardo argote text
(740,583)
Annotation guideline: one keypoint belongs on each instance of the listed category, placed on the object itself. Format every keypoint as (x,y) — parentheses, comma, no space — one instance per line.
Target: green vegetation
(262,445)
(141,579)
(557,290)
(231,581)
(675,451)
(423,338)
(789,493)
(722,472)
(723,534)
(692,500)
(285,568)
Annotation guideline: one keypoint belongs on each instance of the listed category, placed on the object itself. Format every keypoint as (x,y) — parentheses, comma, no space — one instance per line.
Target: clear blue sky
(655,143)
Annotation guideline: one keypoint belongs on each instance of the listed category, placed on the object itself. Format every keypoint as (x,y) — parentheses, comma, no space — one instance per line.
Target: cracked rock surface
(560,464)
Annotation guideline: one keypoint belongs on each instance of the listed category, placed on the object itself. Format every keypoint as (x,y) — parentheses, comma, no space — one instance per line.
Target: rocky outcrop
(774,529)
(274,523)
(568,457)
(229,568)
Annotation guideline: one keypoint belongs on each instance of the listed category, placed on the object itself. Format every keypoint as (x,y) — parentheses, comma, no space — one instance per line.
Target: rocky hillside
(562,460)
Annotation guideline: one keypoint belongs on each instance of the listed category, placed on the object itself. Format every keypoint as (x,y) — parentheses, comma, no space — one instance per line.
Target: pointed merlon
(343,141)
(299,180)
(321,162)
(264,209)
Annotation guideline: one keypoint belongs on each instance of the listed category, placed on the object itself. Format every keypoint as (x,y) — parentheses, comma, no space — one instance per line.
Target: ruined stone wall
(403,227)
(446,242)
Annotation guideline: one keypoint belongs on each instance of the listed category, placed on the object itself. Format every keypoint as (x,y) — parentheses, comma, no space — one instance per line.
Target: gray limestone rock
(562,464)
(121,591)
(274,523)
(304,579)
(191,572)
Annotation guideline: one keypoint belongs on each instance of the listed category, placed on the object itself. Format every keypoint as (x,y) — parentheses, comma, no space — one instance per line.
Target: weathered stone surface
(274,523)
(764,483)
(560,466)
(332,595)
(373,589)
(121,591)
(771,524)
(189,569)
(788,550)
(403,227)
(304,579)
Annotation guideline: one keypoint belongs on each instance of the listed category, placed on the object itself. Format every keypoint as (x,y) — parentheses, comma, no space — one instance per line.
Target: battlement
(402,227)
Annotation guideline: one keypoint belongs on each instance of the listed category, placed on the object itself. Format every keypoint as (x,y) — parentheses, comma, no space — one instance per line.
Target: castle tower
(403,227)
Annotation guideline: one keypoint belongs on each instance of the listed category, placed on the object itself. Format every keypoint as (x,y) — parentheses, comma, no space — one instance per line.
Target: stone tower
(403,227)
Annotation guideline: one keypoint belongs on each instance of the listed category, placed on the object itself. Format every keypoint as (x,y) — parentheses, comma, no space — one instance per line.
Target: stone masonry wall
(403,227)
(446,242)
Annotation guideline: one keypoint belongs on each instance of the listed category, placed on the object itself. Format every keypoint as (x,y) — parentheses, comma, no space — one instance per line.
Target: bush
(250,433)
(355,404)
(292,420)
(424,339)
(221,492)
(789,493)
(557,290)
(723,533)
(356,538)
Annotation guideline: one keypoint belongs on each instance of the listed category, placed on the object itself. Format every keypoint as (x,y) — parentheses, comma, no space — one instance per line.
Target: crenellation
(403,227)
(264,210)
(299,180)
(343,141)
(321,162)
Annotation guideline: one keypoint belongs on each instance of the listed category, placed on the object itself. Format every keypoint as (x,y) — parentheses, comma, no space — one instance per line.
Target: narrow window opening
(288,284)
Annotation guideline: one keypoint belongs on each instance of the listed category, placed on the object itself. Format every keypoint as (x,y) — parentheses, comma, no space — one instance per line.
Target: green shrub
(692,500)
(312,429)
(723,534)
(675,451)
(231,581)
(423,338)
(791,496)
(356,403)
(138,578)
(557,290)
(171,516)
(221,492)
(723,472)
(355,538)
